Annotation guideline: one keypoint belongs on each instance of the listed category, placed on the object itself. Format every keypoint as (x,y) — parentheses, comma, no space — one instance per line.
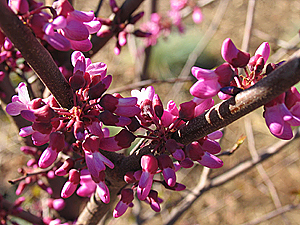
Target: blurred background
(252,194)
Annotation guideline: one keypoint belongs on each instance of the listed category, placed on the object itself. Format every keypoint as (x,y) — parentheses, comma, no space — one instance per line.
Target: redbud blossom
(123,204)
(71,185)
(149,165)
(232,55)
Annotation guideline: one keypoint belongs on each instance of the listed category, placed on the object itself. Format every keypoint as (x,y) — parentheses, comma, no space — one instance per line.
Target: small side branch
(221,115)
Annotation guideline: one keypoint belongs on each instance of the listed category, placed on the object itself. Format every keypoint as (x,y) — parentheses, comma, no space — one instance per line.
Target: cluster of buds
(65,29)
(225,81)
(120,29)
(92,109)
(167,155)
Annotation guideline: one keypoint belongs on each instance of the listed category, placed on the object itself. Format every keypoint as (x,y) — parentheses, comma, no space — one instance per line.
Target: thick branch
(221,115)
(36,55)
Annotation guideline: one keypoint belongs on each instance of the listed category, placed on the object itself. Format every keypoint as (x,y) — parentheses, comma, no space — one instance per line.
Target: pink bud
(157,106)
(113,5)
(122,38)
(97,90)
(129,177)
(44,128)
(264,51)
(79,130)
(77,81)
(234,56)
(194,151)
(197,15)
(47,158)
(66,166)
(28,150)
(58,204)
(186,110)
(149,163)
(91,143)
(136,17)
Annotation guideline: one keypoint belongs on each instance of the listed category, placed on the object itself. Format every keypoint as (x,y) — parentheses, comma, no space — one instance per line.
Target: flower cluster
(65,29)
(161,25)
(167,156)
(80,130)
(280,114)
(91,110)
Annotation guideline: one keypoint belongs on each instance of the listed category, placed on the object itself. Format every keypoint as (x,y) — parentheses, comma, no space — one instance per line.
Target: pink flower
(57,143)
(197,15)
(166,165)
(19,102)
(149,165)
(124,203)
(210,81)
(232,55)
(154,200)
(122,140)
(279,118)
(88,186)
(71,185)
(76,26)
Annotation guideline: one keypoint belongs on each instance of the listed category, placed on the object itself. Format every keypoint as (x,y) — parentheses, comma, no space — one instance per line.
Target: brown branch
(221,115)
(36,55)
(128,7)
(25,215)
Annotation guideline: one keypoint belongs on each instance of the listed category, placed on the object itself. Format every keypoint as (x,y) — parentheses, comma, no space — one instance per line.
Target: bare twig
(248,25)
(199,48)
(147,83)
(259,167)
(219,180)
(273,214)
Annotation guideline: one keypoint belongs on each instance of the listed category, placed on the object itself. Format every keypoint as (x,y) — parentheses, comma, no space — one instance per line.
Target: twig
(259,167)
(219,180)
(248,25)
(199,48)
(142,61)
(20,213)
(128,7)
(147,83)
(221,115)
(273,214)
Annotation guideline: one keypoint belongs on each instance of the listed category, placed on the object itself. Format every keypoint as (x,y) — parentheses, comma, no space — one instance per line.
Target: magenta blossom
(150,166)
(211,81)
(234,56)
(279,118)
(19,102)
